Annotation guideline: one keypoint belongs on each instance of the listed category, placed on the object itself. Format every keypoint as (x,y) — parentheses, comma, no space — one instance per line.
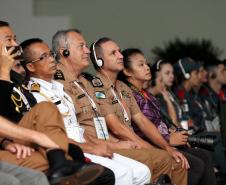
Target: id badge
(75,133)
(101,128)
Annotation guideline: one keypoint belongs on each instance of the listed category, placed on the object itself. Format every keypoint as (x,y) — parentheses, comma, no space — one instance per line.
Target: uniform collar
(69,77)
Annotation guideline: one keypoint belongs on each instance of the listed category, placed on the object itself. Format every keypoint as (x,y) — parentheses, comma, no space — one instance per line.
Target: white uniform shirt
(54,92)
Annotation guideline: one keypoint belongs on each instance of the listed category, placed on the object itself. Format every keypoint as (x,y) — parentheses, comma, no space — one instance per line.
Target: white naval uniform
(127,171)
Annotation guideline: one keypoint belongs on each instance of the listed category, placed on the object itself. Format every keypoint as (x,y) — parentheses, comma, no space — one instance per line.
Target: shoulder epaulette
(35,87)
(59,75)
(95,81)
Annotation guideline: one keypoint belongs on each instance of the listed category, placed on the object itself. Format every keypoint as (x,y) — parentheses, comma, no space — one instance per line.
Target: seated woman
(161,83)
(136,72)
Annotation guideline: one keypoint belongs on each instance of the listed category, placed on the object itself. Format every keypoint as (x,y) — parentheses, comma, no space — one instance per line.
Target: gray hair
(60,40)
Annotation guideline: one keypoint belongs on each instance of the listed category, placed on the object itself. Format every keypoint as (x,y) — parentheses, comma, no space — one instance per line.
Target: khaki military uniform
(158,156)
(85,116)
(43,117)
(126,170)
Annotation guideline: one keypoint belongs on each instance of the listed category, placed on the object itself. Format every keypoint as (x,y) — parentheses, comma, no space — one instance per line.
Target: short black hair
(26,53)
(26,44)
(211,67)
(4,23)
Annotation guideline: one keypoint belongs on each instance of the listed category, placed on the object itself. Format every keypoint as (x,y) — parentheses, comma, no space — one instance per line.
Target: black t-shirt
(12,102)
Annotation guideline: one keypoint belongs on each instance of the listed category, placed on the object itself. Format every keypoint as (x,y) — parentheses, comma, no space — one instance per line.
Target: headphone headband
(186,75)
(94,52)
(98,61)
(158,64)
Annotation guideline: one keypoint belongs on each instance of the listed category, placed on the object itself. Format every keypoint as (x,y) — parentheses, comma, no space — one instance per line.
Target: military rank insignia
(114,102)
(100,95)
(59,75)
(35,87)
(81,96)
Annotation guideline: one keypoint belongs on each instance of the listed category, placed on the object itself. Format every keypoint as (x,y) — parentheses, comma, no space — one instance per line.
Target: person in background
(135,73)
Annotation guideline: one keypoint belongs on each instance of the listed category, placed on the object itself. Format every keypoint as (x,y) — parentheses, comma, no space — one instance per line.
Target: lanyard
(174,100)
(24,99)
(125,114)
(93,104)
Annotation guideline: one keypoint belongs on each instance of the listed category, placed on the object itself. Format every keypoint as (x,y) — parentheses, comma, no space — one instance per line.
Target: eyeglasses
(44,56)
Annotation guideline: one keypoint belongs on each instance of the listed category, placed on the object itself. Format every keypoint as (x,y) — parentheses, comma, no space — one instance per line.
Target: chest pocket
(117,107)
(83,107)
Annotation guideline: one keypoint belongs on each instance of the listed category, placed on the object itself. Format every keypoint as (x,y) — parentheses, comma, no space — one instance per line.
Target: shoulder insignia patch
(35,87)
(59,75)
(96,82)
(100,95)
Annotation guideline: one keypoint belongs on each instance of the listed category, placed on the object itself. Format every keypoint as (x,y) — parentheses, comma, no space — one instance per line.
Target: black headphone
(66,53)
(99,62)
(186,75)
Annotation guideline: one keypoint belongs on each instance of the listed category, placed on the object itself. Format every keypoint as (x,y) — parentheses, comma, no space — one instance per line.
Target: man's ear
(30,67)
(127,72)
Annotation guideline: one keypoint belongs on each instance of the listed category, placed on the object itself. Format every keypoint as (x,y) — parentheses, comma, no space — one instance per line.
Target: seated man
(108,61)
(16,107)
(44,88)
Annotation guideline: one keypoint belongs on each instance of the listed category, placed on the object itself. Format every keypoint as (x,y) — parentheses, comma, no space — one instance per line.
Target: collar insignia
(59,75)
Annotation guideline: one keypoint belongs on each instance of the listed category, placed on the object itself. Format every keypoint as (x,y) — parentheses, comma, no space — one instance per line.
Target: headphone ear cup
(66,53)
(187,76)
(99,62)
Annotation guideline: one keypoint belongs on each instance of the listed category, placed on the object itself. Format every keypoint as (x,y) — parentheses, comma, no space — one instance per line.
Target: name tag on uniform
(101,128)
(75,133)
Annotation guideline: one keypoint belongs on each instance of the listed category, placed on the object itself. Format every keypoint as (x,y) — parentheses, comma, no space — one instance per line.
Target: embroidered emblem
(59,75)
(100,95)
(35,87)
(96,82)
(125,94)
